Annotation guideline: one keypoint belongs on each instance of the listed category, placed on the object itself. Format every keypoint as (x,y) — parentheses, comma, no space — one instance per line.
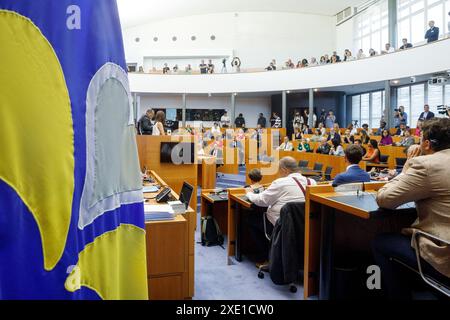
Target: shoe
(263,266)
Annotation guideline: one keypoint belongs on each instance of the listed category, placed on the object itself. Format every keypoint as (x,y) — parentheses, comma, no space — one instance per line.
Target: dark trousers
(255,223)
(396,278)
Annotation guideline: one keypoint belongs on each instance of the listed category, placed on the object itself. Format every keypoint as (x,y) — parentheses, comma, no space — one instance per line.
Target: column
(392,9)
(183,112)
(233,109)
(389,104)
(311,108)
(284,109)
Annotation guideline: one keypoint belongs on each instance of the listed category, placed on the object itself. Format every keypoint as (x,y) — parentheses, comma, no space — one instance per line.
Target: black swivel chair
(287,246)
(400,162)
(327,174)
(303,163)
(318,166)
(384,159)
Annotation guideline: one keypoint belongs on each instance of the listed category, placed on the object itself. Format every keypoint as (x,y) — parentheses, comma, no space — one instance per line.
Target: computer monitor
(186,193)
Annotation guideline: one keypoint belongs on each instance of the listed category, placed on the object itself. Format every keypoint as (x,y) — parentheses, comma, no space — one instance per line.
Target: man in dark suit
(406,44)
(426,114)
(145,125)
(262,120)
(432,33)
(353,156)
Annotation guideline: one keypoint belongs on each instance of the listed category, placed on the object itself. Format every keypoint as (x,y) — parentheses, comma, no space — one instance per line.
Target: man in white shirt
(282,191)
(286,145)
(388,49)
(225,120)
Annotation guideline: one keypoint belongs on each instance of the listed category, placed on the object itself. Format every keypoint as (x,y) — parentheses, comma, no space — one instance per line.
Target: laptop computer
(186,194)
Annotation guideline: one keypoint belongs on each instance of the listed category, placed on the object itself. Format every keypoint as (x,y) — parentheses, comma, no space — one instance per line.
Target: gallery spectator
(405,44)
(386,139)
(166,69)
(240,121)
(372,52)
(432,33)
(322,61)
(277,121)
(298,121)
(360,54)
(313,62)
(225,120)
(373,152)
(330,120)
(210,66)
(406,141)
(348,55)
(188,69)
(271,67)
(304,146)
(262,122)
(418,128)
(324,147)
(426,114)
(387,49)
(336,57)
(236,65)
(203,67)
(401,131)
(383,126)
(289,64)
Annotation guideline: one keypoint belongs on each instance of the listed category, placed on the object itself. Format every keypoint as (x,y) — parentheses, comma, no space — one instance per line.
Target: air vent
(345,15)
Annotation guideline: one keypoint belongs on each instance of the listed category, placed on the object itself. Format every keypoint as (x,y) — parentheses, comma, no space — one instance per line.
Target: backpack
(211,235)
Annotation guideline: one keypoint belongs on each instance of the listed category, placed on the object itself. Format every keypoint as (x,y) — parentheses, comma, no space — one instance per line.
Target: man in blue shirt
(432,33)
(354,174)
(330,120)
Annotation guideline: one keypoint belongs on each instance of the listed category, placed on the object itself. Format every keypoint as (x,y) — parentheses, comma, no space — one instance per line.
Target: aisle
(214,279)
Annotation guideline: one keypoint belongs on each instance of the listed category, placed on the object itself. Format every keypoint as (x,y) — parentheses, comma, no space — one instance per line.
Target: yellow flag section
(36,131)
(115,276)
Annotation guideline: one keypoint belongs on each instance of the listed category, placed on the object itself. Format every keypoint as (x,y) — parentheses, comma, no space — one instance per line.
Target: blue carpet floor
(215,280)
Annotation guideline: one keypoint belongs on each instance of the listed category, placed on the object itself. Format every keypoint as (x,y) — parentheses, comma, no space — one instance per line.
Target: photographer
(298,121)
(400,117)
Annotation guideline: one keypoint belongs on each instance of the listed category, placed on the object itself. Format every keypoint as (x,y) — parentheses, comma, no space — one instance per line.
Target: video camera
(443,109)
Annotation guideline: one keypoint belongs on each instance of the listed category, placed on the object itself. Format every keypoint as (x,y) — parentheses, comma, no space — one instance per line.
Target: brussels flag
(71,203)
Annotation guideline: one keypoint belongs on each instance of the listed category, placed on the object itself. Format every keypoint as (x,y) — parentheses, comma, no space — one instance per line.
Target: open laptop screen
(186,193)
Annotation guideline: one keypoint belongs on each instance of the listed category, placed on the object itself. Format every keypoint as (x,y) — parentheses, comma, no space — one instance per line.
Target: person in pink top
(386,140)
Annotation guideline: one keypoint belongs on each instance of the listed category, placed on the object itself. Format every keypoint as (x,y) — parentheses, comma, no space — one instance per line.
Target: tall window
(371,27)
(368,108)
(413,17)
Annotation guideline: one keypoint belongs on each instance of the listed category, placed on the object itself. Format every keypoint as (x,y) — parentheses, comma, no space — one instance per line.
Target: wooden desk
(236,202)
(170,264)
(216,207)
(324,207)
(207,171)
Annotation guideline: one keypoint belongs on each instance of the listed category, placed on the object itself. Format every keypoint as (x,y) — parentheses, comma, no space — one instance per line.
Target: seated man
(286,145)
(353,156)
(424,179)
(401,131)
(324,147)
(281,191)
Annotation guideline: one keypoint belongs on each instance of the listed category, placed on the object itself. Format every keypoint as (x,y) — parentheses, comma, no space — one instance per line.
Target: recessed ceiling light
(315,90)
(395,81)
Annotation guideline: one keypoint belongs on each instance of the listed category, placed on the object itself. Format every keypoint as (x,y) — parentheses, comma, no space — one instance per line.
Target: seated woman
(386,139)
(304,146)
(418,128)
(255,177)
(298,134)
(364,137)
(373,153)
(337,149)
(348,138)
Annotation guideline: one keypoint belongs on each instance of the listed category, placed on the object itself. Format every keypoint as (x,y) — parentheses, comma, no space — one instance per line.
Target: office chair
(384,158)
(318,166)
(400,162)
(327,174)
(443,288)
(303,163)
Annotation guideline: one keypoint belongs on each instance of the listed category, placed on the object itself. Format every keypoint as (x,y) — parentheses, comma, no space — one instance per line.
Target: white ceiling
(135,12)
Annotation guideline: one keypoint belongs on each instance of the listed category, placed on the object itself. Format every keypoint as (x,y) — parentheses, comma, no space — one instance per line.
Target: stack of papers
(158,212)
(150,189)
